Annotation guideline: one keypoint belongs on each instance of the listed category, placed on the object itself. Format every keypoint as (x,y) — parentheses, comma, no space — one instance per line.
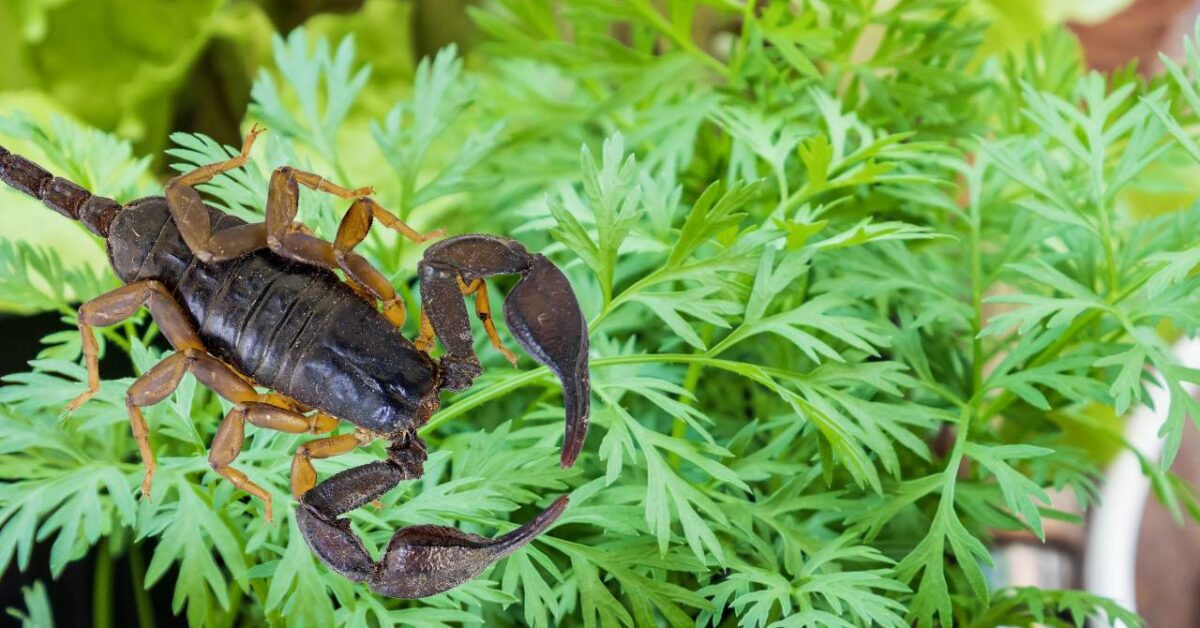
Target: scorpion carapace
(247,304)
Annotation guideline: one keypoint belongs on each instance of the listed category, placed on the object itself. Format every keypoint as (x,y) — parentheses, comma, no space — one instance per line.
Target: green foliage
(37,605)
(120,76)
(850,307)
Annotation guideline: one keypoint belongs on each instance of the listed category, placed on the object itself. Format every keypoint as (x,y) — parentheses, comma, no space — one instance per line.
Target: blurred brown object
(1139,32)
(1168,554)
(438,23)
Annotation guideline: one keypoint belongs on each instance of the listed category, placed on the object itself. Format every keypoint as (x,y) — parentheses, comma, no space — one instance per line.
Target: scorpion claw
(335,544)
(426,560)
(420,560)
(542,313)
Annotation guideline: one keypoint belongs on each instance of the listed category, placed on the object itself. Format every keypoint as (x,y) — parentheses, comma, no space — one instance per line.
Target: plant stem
(679,429)
(1006,398)
(1110,258)
(491,392)
(977,354)
(960,442)
(500,389)
(660,23)
(102,587)
(137,577)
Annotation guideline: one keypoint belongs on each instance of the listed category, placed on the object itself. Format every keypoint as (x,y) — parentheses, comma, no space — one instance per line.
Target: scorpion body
(289,326)
(247,304)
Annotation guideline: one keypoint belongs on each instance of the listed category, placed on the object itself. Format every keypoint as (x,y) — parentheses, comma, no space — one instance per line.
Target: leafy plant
(857,294)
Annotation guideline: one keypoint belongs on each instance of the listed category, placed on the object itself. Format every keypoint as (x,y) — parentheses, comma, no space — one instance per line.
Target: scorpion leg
(419,561)
(351,232)
(283,203)
(227,444)
(286,238)
(483,310)
(541,312)
(191,215)
(113,307)
(160,380)
(304,476)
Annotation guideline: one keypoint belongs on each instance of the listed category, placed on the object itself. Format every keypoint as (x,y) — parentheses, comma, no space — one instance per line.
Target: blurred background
(142,69)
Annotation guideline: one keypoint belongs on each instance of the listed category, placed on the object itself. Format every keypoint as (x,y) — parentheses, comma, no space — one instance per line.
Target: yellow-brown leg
(282,401)
(426,334)
(162,379)
(113,307)
(283,204)
(304,476)
(393,222)
(227,444)
(191,214)
(483,310)
(352,231)
(290,239)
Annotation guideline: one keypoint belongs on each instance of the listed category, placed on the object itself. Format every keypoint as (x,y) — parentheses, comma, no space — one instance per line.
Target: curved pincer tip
(426,560)
(578,403)
(543,314)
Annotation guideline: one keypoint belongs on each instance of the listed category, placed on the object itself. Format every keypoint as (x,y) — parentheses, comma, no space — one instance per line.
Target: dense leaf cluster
(859,295)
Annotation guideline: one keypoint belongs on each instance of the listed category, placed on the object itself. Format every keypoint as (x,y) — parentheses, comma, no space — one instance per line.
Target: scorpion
(260,304)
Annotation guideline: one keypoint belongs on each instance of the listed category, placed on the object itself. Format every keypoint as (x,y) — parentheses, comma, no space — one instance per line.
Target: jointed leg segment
(483,310)
(270,411)
(282,234)
(115,306)
(304,476)
(286,238)
(162,379)
(191,214)
(227,444)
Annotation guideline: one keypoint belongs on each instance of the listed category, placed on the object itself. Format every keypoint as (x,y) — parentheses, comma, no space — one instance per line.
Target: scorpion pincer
(247,304)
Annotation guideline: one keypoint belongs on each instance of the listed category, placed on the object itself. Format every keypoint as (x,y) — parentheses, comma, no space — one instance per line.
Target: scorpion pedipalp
(420,560)
(541,311)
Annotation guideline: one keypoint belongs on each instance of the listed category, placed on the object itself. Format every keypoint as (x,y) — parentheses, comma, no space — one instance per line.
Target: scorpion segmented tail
(61,195)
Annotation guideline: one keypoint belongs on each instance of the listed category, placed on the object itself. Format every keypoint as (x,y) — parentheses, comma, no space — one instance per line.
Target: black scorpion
(259,303)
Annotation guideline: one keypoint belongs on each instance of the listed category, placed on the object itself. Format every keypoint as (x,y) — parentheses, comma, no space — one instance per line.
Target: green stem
(660,23)
(690,381)
(137,577)
(495,391)
(527,378)
(611,303)
(944,393)
(102,587)
(1110,258)
(956,455)
(977,354)
(1004,399)
(743,45)
(960,441)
